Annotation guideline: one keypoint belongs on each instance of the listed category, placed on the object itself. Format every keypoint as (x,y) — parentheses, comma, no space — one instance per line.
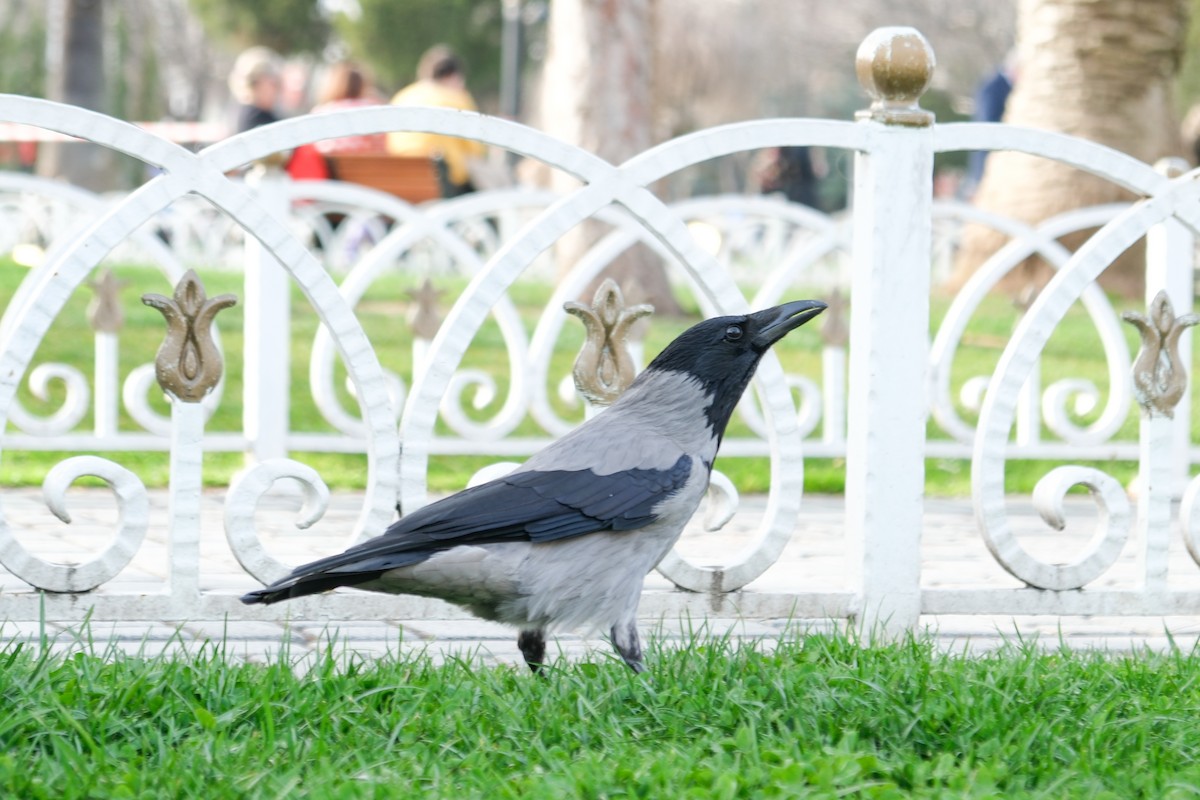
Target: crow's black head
(722,353)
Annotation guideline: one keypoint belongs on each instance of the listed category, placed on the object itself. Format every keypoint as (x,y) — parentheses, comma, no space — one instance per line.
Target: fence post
(188,366)
(267,329)
(1170,263)
(889,333)
(1159,382)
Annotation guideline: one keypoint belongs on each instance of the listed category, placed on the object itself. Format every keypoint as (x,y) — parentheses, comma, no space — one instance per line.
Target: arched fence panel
(363,319)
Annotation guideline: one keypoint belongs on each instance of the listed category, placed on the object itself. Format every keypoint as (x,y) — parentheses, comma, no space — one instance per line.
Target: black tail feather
(292,587)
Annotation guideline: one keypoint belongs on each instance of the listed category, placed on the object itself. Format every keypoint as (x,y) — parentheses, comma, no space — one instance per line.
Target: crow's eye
(733,333)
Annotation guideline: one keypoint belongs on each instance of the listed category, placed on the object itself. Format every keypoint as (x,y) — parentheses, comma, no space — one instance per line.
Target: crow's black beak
(781,320)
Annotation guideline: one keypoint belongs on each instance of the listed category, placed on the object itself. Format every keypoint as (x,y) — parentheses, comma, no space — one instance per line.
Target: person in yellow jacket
(441,81)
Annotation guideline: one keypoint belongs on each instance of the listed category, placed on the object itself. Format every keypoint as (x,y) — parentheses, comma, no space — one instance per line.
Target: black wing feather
(532,506)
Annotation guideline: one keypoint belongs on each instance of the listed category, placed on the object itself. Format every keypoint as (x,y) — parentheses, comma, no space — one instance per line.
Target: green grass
(821,716)
(1074,350)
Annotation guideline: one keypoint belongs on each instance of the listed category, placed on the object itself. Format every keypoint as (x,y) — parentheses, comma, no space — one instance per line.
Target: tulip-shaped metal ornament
(604,367)
(188,364)
(1159,375)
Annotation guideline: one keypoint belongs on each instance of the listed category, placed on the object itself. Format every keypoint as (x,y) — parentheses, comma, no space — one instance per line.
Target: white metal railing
(878,387)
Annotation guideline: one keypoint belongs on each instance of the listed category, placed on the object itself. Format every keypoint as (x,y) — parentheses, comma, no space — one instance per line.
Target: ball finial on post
(895,66)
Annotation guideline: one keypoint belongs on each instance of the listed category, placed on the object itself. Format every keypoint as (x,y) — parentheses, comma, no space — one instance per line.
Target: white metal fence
(882,399)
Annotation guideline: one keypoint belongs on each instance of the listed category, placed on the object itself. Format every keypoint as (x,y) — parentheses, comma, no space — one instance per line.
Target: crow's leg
(625,640)
(533,646)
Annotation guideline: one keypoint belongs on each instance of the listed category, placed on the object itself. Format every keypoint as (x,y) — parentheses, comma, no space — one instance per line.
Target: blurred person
(255,84)
(991,98)
(790,171)
(441,82)
(346,86)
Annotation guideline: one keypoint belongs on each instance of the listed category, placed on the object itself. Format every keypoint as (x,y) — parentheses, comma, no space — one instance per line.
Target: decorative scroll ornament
(133,520)
(104,312)
(604,367)
(1159,376)
(188,364)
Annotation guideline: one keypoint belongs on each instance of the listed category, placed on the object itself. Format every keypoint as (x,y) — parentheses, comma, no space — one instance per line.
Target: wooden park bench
(411,178)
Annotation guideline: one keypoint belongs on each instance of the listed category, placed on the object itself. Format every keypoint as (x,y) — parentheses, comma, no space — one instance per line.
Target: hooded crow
(566,540)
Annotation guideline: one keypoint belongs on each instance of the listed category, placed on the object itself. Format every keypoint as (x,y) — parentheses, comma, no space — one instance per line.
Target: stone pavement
(954,556)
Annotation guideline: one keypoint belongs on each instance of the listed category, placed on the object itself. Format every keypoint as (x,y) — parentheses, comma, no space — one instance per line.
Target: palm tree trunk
(597,93)
(1097,69)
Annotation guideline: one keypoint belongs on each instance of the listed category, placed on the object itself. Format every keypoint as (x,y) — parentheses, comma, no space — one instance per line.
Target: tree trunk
(1097,69)
(598,75)
(597,93)
(75,57)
